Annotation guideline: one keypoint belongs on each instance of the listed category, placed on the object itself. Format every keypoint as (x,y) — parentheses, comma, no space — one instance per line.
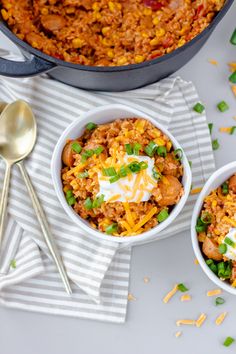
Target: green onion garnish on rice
(211,264)
(97,202)
(163,215)
(134,167)
(98,150)
(88,204)
(136,148)
(222,248)
(76,147)
(182,288)
(206,218)
(86,154)
(150,149)
(70,197)
(110,171)
(225,188)
(156,174)
(111,228)
(200,226)
(114,179)
(129,149)
(143,165)
(123,171)
(229,242)
(83,174)
(161,151)
(91,126)
(178,154)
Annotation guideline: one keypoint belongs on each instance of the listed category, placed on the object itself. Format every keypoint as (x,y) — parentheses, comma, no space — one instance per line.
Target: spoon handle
(4,197)
(45,228)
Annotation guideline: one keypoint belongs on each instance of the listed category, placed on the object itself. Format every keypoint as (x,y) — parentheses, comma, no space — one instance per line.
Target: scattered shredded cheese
(113,198)
(178,334)
(185,297)
(213,61)
(77,169)
(220,318)
(128,214)
(131,297)
(146,280)
(170,294)
(200,320)
(230,221)
(225,129)
(196,261)
(214,292)
(186,322)
(233,88)
(196,190)
(145,219)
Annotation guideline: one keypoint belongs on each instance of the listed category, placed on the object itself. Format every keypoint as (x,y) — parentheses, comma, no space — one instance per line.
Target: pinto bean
(52,22)
(210,249)
(171,191)
(67,155)
(232,183)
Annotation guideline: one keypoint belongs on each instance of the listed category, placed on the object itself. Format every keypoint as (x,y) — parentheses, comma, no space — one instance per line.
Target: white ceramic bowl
(218,177)
(102,115)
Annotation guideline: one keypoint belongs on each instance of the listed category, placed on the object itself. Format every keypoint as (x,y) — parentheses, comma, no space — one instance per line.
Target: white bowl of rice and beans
(213,228)
(120,175)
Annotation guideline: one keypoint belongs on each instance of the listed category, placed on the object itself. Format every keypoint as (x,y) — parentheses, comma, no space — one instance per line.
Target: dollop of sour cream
(231,249)
(125,189)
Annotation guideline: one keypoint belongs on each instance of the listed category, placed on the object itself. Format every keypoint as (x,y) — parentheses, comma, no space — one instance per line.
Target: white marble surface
(150,325)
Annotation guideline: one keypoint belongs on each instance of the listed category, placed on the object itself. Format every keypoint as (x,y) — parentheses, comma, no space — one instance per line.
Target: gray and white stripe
(99,270)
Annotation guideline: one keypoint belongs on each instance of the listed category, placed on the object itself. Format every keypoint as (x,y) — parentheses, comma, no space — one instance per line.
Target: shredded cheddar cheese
(185,297)
(178,334)
(213,62)
(185,322)
(230,221)
(170,294)
(126,225)
(200,320)
(77,169)
(113,198)
(128,214)
(196,190)
(131,297)
(196,261)
(220,318)
(146,280)
(225,129)
(214,292)
(145,219)
(233,88)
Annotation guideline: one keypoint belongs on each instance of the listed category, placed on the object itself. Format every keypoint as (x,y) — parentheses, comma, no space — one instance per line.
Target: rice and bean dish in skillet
(123,177)
(216,228)
(108,32)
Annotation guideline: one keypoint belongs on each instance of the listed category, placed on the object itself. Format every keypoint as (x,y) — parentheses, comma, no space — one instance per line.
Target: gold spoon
(18,133)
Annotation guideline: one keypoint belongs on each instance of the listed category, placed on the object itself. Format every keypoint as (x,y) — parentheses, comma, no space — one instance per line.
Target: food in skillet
(124,177)
(108,33)
(216,228)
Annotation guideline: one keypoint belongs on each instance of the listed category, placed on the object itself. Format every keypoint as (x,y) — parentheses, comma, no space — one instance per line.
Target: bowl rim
(79,123)
(196,210)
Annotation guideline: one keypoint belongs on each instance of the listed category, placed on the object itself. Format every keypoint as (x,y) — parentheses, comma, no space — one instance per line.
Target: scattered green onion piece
(150,149)
(199,108)
(110,171)
(76,147)
(219,301)
(134,167)
(232,78)
(111,228)
(91,126)
(156,174)
(88,204)
(161,151)
(200,226)
(98,150)
(182,288)
(163,215)
(229,242)
(114,179)
(97,202)
(233,38)
(222,248)
(178,154)
(137,147)
(232,130)
(83,174)
(143,165)
(123,171)
(222,106)
(206,218)
(190,163)
(215,144)
(225,188)
(210,126)
(129,149)
(13,264)
(86,154)
(228,341)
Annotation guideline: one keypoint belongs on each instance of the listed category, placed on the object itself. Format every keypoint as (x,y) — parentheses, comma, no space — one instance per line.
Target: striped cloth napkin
(98,270)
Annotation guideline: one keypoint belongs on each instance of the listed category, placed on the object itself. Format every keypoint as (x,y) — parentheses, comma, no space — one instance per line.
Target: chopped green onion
(233,38)
(161,151)
(224,270)
(69,194)
(98,150)
(199,108)
(91,126)
(114,179)
(212,265)
(150,149)
(110,171)
(143,165)
(134,167)
(163,215)
(232,130)
(229,242)
(219,301)
(71,201)
(232,78)
(190,163)
(76,147)
(13,264)
(88,204)
(97,202)
(228,341)
(222,106)
(129,149)
(215,144)
(123,171)
(137,147)
(83,174)
(225,188)
(111,228)
(182,288)
(156,174)
(178,154)
(222,248)
(210,126)
(200,226)
(86,154)
(206,218)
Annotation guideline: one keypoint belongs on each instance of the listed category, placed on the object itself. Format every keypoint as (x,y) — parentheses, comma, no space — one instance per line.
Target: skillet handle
(30,67)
